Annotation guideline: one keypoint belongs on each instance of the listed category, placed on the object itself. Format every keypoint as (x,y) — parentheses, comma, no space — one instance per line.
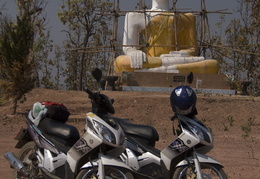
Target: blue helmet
(183,100)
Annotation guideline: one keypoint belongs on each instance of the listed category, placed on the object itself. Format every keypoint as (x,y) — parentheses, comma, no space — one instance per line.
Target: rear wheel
(209,171)
(110,173)
(27,155)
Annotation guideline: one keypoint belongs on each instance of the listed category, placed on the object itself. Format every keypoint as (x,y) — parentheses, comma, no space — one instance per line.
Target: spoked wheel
(110,173)
(209,171)
(28,158)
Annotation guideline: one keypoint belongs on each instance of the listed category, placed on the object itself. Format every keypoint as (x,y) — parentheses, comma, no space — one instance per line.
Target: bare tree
(239,49)
(86,27)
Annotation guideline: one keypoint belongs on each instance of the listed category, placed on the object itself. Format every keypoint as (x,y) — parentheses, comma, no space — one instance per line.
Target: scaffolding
(204,42)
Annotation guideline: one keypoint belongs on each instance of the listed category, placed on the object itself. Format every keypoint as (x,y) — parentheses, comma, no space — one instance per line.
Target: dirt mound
(234,121)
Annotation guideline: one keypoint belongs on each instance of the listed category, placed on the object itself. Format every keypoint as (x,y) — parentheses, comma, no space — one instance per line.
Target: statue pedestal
(171,80)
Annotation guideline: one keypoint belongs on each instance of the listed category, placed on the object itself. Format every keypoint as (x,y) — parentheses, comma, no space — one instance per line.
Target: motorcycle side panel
(172,151)
(172,155)
(40,140)
(137,162)
(50,162)
(84,145)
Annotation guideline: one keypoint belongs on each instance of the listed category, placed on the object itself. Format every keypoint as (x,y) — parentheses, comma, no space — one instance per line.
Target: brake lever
(174,117)
(112,101)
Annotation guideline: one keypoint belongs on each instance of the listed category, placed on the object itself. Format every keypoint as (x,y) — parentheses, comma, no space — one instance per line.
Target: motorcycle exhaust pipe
(17,164)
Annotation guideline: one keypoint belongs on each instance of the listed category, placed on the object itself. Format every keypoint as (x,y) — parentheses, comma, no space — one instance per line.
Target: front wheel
(110,173)
(209,171)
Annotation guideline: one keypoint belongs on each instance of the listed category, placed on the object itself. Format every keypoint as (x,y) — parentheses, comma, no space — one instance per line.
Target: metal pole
(205,33)
(141,4)
(175,24)
(114,37)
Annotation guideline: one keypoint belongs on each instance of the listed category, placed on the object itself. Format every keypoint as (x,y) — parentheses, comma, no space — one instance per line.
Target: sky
(55,26)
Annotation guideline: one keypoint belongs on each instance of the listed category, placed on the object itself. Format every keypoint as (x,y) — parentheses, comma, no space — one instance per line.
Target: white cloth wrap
(41,115)
(137,57)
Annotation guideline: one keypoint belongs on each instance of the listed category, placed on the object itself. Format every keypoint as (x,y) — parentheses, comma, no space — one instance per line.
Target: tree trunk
(82,63)
(14,106)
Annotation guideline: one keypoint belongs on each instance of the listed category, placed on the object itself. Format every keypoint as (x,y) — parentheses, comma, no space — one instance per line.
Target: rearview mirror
(97,74)
(190,78)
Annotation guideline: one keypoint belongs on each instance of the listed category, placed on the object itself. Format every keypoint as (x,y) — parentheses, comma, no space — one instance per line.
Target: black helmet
(183,100)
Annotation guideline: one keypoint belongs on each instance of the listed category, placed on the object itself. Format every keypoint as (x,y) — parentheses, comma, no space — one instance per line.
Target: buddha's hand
(137,57)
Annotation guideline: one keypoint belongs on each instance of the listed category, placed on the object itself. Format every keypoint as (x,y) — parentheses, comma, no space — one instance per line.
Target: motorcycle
(54,149)
(115,148)
(183,158)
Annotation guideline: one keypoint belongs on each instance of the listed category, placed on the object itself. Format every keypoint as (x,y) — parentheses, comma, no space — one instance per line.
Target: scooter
(105,151)
(183,158)
(53,149)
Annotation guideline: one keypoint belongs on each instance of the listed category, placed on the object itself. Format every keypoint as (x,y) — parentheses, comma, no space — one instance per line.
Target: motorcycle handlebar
(90,93)
(101,101)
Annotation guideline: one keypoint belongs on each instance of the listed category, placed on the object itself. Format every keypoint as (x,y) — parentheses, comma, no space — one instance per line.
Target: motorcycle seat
(62,134)
(147,132)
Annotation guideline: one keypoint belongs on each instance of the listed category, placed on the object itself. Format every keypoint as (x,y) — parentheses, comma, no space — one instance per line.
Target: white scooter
(52,149)
(183,158)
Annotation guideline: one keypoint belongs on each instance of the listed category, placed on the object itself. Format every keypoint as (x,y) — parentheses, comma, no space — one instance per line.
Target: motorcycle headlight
(105,132)
(197,131)
(122,138)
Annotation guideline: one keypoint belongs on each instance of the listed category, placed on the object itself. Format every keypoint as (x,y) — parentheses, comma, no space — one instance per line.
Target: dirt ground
(234,121)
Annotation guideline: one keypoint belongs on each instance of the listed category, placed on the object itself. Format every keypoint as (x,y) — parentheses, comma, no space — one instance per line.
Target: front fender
(202,159)
(106,161)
